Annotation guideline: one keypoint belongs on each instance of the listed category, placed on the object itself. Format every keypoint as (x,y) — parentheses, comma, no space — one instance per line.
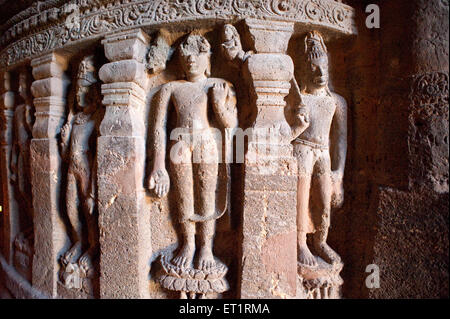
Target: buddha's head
(195,53)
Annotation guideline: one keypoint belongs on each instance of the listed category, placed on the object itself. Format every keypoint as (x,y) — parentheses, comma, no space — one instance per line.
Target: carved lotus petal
(199,275)
(179,284)
(192,285)
(203,286)
(173,273)
(214,274)
(192,272)
(217,285)
(167,281)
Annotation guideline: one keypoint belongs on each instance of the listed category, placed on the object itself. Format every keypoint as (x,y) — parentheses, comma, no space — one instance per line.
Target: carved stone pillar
(269,251)
(49,91)
(9,205)
(124,228)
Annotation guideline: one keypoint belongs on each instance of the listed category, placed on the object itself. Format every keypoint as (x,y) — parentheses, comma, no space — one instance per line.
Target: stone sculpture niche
(317,124)
(320,149)
(194,160)
(21,174)
(100,225)
(78,149)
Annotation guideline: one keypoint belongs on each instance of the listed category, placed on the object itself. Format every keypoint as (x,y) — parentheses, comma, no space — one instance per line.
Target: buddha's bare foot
(71,256)
(305,257)
(205,259)
(326,253)
(86,262)
(184,257)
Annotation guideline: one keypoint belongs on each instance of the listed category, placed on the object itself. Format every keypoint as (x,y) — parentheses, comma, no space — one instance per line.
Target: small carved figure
(232,46)
(78,148)
(195,172)
(322,125)
(20,154)
(159,53)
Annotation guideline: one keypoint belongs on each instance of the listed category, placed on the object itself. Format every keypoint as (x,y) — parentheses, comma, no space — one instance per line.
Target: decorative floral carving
(430,88)
(189,280)
(314,11)
(285,7)
(246,6)
(340,15)
(211,7)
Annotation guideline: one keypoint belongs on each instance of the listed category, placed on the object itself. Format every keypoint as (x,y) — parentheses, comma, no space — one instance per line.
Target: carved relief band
(170,148)
(88,19)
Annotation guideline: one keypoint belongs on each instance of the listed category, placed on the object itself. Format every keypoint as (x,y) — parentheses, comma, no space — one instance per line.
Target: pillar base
(191,281)
(320,282)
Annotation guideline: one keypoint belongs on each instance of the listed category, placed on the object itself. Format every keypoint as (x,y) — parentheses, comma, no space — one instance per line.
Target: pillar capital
(270,36)
(127,45)
(49,65)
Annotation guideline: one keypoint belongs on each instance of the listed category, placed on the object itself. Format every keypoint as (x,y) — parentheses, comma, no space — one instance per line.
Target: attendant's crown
(86,70)
(314,45)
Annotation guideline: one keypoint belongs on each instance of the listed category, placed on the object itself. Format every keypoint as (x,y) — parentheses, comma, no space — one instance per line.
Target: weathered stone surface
(196,149)
(49,235)
(9,205)
(264,230)
(394,200)
(123,224)
(194,160)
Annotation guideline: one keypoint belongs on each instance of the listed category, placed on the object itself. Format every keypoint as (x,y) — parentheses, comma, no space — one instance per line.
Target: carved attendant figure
(231,46)
(194,171)
(78,142)
(326,113)
(20,154)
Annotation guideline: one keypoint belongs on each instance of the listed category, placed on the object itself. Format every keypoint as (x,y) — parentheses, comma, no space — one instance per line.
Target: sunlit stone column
(124,227)
(49,90)
(9,205)
(269,252)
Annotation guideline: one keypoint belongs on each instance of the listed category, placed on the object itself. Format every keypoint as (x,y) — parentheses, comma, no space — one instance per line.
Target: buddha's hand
(302,119)
(219,94)
(159,181)
(337,196)
(65,134)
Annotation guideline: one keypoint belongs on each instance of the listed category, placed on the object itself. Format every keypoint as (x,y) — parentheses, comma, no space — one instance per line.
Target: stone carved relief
(194,160)
(160,52)
(320,149)
(429,101)
(232,46)
(78,149)
(93,19)
(318,128)
(21,174)
(195,176)
(430,88)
